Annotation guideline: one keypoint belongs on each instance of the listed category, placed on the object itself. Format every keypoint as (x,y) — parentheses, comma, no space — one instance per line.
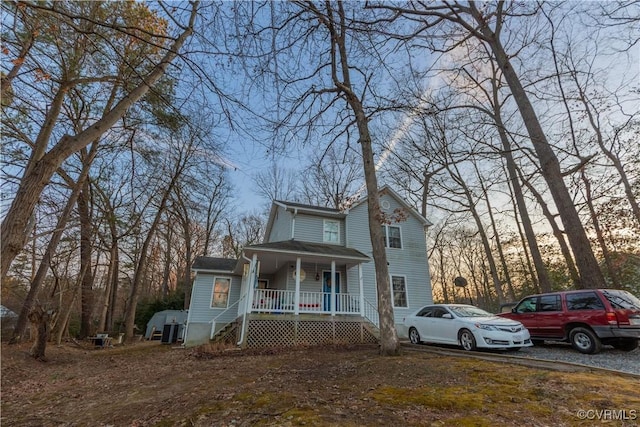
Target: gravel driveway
(609,357)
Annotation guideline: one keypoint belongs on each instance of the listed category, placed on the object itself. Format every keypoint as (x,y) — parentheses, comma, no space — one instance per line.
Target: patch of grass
(456,398)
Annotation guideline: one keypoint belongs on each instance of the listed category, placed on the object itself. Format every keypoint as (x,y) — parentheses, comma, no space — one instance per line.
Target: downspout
(293,224)
(186,328)
(361,284)
(250,285)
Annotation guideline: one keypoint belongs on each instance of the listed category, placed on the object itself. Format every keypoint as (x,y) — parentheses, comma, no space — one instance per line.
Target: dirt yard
(151,384)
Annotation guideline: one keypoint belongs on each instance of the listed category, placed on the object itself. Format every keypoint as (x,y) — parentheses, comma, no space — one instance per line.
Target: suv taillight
(612,319)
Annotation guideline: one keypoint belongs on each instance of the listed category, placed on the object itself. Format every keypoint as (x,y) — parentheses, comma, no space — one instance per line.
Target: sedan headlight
(486,327)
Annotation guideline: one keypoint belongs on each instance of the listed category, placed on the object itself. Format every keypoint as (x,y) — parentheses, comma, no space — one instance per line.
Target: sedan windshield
(469,311)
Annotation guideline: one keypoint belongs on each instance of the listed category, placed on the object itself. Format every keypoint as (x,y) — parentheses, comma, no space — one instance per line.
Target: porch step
(373,329)
(228,334)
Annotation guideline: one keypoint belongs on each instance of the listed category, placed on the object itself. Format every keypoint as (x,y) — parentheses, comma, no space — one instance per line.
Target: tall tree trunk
(493,270)
(588,268)
(334,21)
(496,236)
(525,258)
(39,319)
(606,255)
(559,235)
(541,270)
(142,263)
(45,263)
(65,315)
(86,297)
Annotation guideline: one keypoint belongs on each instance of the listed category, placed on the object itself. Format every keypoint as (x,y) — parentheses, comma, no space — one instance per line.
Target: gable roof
(336,213)
(388,190)
(214,264)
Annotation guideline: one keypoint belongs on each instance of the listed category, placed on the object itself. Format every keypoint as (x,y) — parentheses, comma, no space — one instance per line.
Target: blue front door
(326,288)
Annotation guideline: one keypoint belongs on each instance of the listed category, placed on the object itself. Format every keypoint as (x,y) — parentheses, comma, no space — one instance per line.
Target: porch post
(251,282)
(296,308)
(333,288)
(361,282)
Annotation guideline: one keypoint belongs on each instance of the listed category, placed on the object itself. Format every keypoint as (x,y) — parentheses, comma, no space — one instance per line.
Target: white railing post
(296,308)
(332,305)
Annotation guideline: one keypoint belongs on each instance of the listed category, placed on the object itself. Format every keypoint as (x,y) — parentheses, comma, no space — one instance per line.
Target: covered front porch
(296,289)
(303,278)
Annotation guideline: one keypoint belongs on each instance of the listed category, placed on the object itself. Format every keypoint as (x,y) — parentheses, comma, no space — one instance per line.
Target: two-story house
(313,280)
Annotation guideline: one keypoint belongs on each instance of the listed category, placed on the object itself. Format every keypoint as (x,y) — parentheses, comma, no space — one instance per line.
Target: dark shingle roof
(309,207)
(296,246)
(215,264)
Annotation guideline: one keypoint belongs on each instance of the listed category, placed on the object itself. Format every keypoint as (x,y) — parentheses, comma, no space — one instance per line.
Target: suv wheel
(584,340)
(625,344)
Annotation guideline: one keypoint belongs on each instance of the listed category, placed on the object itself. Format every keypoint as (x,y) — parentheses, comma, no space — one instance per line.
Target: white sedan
(467,326)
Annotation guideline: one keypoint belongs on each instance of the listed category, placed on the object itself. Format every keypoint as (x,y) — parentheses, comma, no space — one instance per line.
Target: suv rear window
(584,301)
(622,299)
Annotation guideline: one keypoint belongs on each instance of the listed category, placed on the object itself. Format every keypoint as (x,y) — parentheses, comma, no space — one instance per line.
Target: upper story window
(392,236)
(331,231)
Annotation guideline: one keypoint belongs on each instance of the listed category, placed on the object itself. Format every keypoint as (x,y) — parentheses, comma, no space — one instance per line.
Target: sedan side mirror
(513,310)
(447,316)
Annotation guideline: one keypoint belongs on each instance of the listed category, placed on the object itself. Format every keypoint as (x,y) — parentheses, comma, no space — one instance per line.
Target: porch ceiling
(274,255)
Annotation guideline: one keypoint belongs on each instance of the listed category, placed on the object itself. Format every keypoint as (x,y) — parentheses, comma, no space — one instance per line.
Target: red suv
(586,318)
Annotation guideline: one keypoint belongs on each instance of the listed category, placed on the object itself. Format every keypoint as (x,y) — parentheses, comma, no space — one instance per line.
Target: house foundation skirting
(265,330)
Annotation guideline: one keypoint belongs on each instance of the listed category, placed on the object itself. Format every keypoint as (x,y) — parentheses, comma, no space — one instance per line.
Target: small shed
(167,322)
(8,320)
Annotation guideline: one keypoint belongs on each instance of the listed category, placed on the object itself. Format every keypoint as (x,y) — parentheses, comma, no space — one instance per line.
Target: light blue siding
(410,261)
(281,228)
(200,311)
(310,228)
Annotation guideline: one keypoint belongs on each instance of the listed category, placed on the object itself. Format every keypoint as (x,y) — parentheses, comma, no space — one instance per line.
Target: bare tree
(331,178)
(277,183)
(324,87)
(486,24)
(248,230)
(44,161)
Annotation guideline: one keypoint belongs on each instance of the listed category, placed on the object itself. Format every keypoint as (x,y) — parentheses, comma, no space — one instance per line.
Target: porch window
(392,236)
(331,231)
(220,298)
(399,288)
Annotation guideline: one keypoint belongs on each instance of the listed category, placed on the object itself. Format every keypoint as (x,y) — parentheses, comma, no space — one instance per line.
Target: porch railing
(224,313)
(371,313)
(283,301)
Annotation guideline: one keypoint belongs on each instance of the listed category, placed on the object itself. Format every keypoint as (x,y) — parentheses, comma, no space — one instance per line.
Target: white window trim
(386,236)
(213,289)
(324,230)
(406,290)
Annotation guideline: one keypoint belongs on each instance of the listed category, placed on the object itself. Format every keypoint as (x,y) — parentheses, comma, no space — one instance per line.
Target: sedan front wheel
(467,340)
(414,336)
